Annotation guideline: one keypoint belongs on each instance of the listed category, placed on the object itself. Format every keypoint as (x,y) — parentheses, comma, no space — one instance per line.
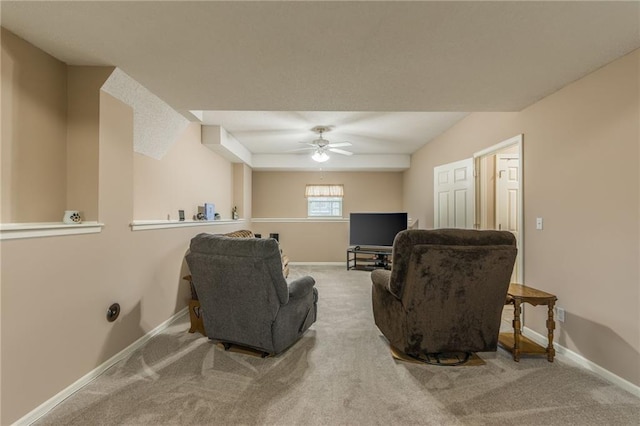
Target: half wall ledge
(14,231)
(145,225)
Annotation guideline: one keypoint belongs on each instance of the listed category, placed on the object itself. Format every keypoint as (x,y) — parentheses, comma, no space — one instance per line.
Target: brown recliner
(445,292)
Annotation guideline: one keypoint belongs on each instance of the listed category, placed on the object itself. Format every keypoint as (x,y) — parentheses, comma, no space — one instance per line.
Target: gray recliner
(244,296)
(445,292)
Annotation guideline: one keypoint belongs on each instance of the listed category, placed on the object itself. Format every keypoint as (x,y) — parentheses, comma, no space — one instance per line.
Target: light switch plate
(539,223)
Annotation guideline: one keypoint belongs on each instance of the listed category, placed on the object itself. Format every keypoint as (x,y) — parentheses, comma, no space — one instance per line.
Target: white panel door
(507,187)
(507,197)
(453,190)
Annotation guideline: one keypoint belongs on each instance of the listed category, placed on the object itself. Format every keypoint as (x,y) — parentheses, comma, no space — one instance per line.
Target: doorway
(499,193)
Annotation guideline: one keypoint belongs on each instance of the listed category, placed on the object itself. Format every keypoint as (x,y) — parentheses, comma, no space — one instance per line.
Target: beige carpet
(341,372)
(444,360)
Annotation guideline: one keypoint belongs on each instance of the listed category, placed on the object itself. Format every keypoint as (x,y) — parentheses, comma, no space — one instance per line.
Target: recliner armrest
(380,279)
(301,287)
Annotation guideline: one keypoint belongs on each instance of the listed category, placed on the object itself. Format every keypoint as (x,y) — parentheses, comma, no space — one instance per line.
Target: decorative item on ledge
(71,217)
(234,213)
(209,211)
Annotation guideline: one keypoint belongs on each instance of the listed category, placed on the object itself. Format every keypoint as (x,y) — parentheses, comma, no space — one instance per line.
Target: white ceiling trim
(217,139)
(223,143)
(337,162)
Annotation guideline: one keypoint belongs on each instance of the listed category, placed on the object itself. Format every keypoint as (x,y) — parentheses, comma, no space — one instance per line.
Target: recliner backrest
(457,293)
(405,241)
(239,283)
(267,250)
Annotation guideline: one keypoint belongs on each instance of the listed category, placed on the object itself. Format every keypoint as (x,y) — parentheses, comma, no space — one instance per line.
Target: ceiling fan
(320,146)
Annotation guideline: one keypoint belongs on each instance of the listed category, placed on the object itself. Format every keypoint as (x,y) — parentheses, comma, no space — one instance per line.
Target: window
(324,200)
(324,206)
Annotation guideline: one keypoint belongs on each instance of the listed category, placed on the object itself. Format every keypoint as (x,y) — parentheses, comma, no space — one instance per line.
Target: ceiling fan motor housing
(321,129)
(321,142)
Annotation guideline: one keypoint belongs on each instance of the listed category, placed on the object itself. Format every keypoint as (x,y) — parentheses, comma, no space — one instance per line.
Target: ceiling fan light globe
(320,157)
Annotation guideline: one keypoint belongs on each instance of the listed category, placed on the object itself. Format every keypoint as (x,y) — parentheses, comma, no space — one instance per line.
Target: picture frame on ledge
(209,211)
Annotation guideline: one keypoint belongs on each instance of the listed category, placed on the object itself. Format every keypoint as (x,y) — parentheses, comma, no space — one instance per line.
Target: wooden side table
(195,314)
(515,342)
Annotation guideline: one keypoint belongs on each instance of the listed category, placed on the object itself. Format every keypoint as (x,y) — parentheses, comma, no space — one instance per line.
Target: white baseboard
(569,355)
(48,405)
(319,263)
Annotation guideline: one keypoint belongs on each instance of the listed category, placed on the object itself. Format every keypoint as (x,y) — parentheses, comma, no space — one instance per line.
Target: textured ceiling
(272,132)
(376,57)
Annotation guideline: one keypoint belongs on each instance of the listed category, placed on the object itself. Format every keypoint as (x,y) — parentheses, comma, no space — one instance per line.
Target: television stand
(368,259)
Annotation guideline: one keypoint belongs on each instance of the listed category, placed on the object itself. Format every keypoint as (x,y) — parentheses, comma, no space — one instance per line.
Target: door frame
(477,160)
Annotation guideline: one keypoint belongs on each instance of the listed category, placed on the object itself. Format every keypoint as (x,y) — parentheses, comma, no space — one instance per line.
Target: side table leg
(195,317)
(516,330)
(551,325)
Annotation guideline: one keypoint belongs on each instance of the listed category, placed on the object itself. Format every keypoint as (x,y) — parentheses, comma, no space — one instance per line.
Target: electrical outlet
(559,314)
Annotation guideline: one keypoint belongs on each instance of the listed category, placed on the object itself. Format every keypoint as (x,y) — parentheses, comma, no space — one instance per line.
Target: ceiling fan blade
(336,145)
(340,151)
(299,149)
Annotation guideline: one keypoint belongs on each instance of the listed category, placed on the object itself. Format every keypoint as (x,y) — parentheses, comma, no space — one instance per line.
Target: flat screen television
(375,229)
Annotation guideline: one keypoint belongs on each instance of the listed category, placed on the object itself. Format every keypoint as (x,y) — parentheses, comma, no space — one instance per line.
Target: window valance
(324,191)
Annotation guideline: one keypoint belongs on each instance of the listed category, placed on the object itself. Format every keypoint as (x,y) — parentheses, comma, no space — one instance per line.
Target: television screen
(375,229)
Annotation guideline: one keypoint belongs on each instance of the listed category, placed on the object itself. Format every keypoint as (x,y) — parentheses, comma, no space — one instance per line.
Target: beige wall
(83,91)
(50,162)
(313,241)
(581,162)
(55,290)
(242,189)
(281,195)
(34,85)
(189,175)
